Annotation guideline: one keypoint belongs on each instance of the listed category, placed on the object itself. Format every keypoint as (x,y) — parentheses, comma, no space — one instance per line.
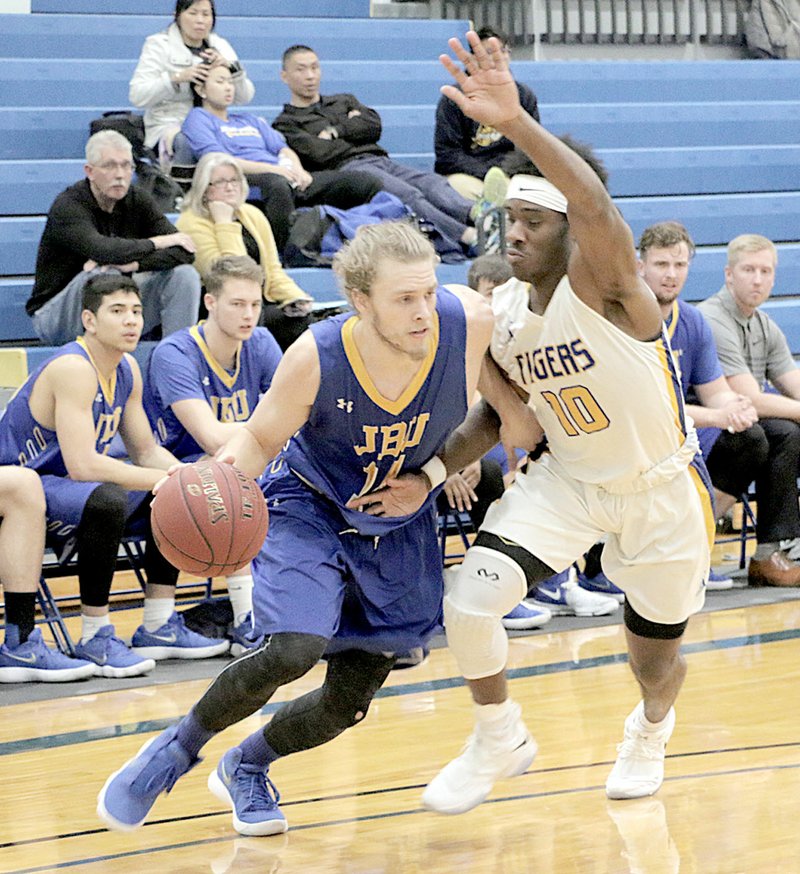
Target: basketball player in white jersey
(579,333)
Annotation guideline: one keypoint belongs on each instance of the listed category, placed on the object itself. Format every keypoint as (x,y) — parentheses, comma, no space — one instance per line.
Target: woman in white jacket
(174,59)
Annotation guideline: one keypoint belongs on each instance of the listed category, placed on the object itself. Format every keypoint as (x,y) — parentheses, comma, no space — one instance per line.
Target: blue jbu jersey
(26,442)
(182,368)
(355,438)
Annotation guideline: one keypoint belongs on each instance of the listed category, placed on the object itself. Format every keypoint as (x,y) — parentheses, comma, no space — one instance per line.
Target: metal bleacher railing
(612,22)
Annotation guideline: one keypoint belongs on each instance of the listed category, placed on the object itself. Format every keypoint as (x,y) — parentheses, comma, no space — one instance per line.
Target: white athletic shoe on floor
(639,769)
(491,753)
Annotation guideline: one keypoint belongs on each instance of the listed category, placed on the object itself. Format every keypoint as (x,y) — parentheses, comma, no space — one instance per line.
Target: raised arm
(602,266)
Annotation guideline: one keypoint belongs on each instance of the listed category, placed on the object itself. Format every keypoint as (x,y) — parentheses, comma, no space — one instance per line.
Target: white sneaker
(639,769)
(490,754)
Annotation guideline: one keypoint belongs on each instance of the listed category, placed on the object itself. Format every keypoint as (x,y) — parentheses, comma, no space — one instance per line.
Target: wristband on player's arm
(435,471)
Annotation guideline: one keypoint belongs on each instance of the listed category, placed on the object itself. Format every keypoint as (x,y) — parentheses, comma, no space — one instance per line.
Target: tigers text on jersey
(355,438)
(611,406)
(26,442)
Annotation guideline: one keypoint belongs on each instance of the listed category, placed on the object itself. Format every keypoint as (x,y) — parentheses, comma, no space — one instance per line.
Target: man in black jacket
(336,131)
(103,224)
(465,150)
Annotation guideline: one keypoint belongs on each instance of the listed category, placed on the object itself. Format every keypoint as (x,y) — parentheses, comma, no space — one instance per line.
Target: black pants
(340,188)
(285,329)
(769,453)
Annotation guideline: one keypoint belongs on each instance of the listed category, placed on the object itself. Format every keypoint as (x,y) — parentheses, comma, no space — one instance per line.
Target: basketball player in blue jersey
(580,333)
(61,423)
(203,382)
(361,399)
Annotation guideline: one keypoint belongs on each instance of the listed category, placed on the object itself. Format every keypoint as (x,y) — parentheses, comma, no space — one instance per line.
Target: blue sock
(256,750)
(191,735)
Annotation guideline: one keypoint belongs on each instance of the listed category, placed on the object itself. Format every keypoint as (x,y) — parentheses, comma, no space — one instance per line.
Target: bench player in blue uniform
(23,655)
(361,399)
(203,382)
(61,423)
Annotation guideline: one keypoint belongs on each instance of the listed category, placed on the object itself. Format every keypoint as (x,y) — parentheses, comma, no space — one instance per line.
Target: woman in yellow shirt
(215,215)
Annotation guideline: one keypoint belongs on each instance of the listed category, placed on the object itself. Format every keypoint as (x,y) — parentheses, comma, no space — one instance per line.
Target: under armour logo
(99,398)
(342,404)
(490,575)
(206,381)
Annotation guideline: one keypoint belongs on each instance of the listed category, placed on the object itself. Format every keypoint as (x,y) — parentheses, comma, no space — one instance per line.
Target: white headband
(536,190)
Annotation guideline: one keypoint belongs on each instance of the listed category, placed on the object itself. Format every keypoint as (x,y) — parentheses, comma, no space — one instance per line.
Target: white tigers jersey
(611,406)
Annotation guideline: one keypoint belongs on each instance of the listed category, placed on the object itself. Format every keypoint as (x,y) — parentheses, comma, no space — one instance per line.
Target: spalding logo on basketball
(209,519)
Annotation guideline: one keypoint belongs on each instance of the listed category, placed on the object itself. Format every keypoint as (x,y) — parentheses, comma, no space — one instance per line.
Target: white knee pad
(489,585)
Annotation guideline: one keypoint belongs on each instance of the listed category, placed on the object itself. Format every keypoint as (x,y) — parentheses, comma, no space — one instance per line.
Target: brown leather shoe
(777,570)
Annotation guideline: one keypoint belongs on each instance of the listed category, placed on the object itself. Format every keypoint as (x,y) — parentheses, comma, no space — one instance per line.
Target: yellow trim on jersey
(673,322)
(109,388)
(228,379)
(663,354)
(365,381)
(708,509)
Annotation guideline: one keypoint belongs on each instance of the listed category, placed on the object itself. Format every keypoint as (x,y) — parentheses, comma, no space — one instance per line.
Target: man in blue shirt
(734,444)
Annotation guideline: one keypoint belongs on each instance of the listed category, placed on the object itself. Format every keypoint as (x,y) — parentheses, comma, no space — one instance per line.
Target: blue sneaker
(718,582)
(128,794)
(602,586)
(250,794)
(244,637)
(33,662)
(111,656)
(175,641)
(562,596)
(525,616)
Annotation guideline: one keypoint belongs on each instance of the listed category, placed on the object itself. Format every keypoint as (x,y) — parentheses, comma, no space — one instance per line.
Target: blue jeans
(429,195)
(170,298)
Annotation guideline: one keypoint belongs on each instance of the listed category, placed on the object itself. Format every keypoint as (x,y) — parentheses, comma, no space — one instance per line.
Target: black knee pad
(352,680)
(105,511)
(654,630)
(284,657)
(534,568)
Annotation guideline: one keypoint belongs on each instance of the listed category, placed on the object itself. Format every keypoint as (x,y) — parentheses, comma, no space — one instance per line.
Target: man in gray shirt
(756,360)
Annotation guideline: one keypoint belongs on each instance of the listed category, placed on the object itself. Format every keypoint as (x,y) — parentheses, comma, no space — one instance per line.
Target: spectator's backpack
(149,176)
(317,233)
(772,29)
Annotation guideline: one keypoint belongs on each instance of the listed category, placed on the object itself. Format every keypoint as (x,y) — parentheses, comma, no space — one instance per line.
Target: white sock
(157,612)
(493,713)
(90,625)
(651,726)
(240,591)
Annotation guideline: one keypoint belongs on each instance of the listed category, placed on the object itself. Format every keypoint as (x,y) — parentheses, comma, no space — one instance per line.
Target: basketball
(209,519)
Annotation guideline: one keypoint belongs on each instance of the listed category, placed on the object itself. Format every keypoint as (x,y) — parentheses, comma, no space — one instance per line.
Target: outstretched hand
(488,92)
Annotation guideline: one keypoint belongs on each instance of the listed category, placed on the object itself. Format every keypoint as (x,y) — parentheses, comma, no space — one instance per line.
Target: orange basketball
(209,519)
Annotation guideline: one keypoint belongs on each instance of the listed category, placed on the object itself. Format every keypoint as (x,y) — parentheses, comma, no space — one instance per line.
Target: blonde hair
(195,199)
(746,243)
(356,263)
(231,267)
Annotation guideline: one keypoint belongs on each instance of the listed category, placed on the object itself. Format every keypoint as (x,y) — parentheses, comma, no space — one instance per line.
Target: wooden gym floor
(730,803)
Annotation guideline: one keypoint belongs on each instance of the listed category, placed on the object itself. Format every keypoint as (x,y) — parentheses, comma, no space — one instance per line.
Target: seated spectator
(24,656)
(336,132)
(204,382)
(487,272)
(732,440)
(174,60)
(262,154)
(216,217)
(754,353)
(104,224)
(61,423)
(466,150)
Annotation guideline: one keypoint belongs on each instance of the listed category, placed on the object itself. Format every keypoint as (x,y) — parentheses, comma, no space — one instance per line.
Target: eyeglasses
(224,183)
(108,166)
